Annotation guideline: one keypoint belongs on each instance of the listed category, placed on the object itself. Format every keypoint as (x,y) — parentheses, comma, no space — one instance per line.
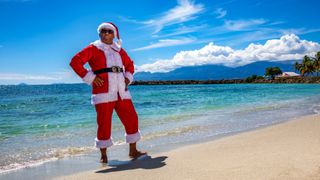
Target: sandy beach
(289,150)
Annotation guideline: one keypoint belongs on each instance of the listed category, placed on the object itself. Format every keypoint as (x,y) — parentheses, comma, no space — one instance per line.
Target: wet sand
(289,150)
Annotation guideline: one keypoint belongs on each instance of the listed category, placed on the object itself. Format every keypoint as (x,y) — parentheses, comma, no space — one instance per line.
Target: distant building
(289,74)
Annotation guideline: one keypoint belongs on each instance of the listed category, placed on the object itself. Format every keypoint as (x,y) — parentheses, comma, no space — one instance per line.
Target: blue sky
(39,37)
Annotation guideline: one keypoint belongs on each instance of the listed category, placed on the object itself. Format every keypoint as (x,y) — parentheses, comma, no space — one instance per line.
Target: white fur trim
(132,138)
(103,143)
(108,97)
(89,77)
(104,47)
(119,44)
(129,76)
(116,81)
(108,26)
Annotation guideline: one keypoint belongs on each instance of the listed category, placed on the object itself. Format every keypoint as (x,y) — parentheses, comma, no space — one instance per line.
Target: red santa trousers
(128,116)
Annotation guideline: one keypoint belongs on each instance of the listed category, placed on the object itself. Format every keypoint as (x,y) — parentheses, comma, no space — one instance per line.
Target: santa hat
(109,25)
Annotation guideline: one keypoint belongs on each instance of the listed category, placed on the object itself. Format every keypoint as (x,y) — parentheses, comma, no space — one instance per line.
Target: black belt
(114,69)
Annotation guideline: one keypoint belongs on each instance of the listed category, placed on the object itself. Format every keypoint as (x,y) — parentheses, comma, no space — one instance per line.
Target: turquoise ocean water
(40,123)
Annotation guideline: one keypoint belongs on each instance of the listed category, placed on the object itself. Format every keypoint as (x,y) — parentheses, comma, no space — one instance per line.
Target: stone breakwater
(286,80)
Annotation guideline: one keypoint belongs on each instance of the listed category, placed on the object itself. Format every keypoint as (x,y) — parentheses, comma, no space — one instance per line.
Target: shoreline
(289,150)
(86,166)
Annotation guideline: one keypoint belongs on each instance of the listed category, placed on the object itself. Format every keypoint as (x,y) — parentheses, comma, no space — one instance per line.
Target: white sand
(289,150)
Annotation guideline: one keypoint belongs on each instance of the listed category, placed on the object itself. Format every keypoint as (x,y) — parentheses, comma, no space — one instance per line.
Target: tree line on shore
(307,67)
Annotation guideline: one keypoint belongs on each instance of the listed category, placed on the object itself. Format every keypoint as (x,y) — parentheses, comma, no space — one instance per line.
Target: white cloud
(267,33)
(65,76)
(298,31)
(181,30)
(220,13)
(241,25)
(253,35)
(288,47)
(130,20)
(166,43)
(185,11)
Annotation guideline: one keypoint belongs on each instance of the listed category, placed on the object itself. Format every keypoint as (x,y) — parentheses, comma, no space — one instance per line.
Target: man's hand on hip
(127,81)
(98,81)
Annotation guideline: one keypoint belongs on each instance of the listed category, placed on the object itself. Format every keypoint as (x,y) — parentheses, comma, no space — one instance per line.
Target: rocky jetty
(285,80)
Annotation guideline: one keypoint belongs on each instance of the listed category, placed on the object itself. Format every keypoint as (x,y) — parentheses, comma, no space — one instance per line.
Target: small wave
(52,155)
(71,151)
(316,108)
(145,123)
(262,108)
(16,166)
(120,142)
(169,132)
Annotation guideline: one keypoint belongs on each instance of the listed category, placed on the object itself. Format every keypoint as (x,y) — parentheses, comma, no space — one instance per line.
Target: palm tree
(308,65)
(299,68)
(316,63)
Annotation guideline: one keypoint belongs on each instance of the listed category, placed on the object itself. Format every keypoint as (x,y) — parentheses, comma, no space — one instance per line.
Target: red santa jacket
(99,56)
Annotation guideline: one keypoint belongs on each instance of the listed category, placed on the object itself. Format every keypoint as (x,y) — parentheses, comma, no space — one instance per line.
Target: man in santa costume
(111,73)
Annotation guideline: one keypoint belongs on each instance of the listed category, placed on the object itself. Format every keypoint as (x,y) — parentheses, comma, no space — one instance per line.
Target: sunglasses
(106,31)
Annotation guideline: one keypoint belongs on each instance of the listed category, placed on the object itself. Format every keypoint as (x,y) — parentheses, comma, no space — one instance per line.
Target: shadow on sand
(144,162)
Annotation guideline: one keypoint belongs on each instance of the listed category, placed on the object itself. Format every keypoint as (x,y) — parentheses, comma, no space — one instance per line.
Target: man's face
(106,36)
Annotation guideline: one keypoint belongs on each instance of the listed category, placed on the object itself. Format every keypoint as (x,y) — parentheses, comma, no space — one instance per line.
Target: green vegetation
(253,78)
(272,72)
(309,65)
